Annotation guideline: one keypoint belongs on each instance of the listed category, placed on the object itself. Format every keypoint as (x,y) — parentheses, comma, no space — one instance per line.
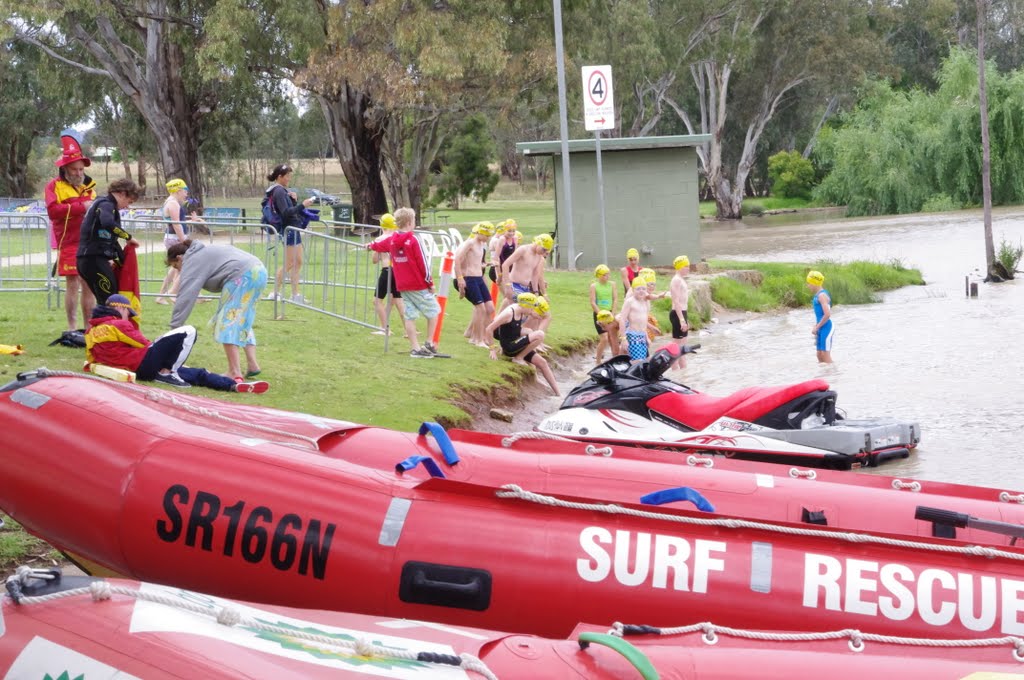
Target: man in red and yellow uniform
(68,197)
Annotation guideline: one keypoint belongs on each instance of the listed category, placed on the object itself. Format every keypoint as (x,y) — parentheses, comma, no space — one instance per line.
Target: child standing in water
(633,320)
(823,330)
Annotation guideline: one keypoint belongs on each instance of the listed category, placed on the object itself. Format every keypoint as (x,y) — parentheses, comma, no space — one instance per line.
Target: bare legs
(234,360)
(292,267)
(76,294)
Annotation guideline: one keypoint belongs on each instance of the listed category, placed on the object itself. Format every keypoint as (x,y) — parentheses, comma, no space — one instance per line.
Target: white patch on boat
(394,521)
(152,617)
(767,481)
(399,624)
(42,658)
(761,567)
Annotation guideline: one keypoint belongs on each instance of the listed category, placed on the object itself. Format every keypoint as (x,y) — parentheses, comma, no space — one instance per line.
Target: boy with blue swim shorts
(633,320)
(823,330)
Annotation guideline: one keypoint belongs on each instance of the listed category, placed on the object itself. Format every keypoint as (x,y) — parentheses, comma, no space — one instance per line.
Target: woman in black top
(98,248)
(284,203)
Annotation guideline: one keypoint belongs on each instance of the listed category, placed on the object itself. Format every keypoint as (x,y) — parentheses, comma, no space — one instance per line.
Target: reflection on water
(925,353)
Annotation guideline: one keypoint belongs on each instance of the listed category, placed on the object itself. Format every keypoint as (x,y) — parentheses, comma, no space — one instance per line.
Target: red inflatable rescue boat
(126,629)
(301,511)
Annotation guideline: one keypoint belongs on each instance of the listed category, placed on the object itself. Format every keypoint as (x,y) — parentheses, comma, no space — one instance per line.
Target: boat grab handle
(679,493)
(428,464)
(627,650)
(443,441)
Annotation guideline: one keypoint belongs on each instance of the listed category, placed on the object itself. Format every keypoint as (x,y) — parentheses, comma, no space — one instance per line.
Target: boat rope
(899,484)
(1007,497)
(229,616)
(515,491)
(797,473)
(170,399)
(706,461)
(589,449)
(710,632)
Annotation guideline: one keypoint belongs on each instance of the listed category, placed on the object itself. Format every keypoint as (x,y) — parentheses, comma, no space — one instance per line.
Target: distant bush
(1009,256)
(791,175)
(939,203)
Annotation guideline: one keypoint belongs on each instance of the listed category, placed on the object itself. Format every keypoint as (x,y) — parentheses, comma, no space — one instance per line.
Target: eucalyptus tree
(36,101)
(152,53)
(395,77)
(756,57)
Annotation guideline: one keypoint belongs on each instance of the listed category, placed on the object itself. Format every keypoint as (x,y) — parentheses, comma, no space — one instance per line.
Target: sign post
(599,114)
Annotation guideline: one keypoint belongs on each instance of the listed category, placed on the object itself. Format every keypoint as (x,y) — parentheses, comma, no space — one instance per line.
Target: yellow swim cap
(387,221)
(639,282)
(484,229)
(510,224)
(604,316)
(526,299)
(500,228)
(545,241)
(631,253)
(815,278)
(681,261)
(176,185)
(600,270)
(542,306)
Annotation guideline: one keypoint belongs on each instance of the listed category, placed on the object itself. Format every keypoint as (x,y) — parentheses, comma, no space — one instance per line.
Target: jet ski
(632,403)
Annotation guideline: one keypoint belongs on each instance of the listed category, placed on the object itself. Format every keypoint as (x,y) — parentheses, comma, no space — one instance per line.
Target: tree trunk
(142,173)
(357,140)
(986,162)
(16,171)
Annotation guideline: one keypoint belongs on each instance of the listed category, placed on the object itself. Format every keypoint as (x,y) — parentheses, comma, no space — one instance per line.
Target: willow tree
(395,76)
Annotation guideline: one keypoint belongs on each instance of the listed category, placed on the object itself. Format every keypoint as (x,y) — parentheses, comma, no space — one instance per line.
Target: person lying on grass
(115,340)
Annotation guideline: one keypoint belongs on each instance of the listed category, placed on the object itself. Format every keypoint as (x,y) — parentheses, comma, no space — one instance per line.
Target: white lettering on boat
(635,558)
(897,592)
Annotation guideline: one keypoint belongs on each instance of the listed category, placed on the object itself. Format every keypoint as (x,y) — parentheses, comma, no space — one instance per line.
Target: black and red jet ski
(622,402)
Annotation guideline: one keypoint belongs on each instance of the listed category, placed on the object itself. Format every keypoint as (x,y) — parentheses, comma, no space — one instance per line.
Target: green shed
(650,198)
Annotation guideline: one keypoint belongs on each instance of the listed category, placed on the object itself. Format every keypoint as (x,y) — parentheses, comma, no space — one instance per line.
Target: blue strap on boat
(679,493)
(428,464)
(443,441)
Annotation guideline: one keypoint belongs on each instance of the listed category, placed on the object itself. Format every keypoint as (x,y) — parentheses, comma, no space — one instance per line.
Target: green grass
(784,284)
(18,547)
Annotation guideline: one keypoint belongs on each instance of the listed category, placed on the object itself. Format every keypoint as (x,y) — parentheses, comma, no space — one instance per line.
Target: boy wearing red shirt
(411,279)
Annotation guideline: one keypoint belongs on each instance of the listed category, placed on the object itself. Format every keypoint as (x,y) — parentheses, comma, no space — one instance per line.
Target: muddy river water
(926,353)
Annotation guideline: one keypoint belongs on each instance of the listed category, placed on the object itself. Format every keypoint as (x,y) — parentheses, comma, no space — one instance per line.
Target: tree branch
(24,37)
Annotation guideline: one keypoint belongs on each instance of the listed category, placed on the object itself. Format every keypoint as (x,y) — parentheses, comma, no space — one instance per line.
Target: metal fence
(26,259)
(337,277)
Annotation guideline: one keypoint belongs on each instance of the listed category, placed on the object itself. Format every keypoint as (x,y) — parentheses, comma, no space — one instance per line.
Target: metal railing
(26,259)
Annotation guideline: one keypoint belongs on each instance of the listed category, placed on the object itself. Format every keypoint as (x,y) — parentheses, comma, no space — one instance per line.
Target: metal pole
(566,207)
(600,198)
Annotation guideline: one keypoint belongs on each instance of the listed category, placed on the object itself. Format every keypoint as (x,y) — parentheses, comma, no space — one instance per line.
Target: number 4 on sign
(598,89)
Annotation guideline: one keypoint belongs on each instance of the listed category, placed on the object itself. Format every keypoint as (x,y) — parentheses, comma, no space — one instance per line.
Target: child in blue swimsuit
(823,330)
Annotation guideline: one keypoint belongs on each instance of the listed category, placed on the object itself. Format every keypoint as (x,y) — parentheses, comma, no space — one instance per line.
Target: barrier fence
(26,259)
(337,277)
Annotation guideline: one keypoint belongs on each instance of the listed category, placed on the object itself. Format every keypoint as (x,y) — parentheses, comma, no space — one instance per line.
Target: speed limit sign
(598,100)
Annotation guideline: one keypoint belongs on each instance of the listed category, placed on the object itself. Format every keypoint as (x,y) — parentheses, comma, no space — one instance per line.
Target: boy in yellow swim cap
(680,293)
(604,297)
(823,330)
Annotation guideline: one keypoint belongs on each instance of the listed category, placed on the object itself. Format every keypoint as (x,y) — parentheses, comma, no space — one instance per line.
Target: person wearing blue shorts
(823,330)
(469,276)
(284,203)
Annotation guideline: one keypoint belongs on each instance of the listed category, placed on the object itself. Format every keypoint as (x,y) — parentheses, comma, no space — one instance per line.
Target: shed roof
(554,148)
